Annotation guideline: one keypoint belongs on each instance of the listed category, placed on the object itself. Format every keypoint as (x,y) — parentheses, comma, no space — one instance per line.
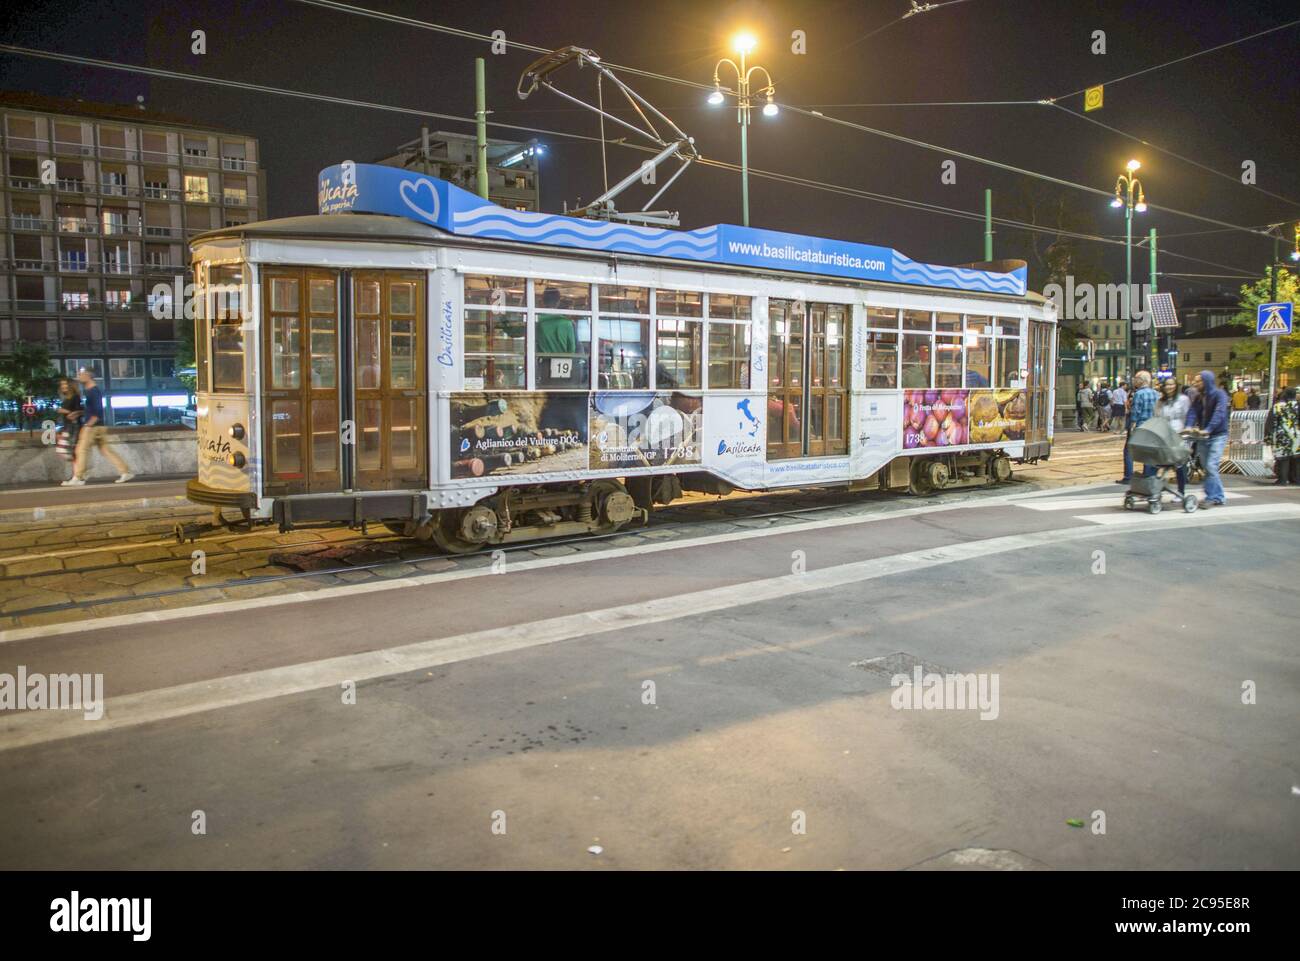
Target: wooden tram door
(389,380)
(343,351)
(300,378)
(807,381)
(1039,384)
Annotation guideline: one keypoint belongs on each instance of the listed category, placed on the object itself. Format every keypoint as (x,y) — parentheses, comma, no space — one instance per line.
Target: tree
(28,372)
(1053,253)
(1253,352)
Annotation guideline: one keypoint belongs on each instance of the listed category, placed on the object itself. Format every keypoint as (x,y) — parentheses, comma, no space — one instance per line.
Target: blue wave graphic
(961,277)
(540,226)
(563,237)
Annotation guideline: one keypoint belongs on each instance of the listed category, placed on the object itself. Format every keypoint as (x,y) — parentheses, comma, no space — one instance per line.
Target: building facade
(513,169)
(98,203)
(1211,349)
(1196,314)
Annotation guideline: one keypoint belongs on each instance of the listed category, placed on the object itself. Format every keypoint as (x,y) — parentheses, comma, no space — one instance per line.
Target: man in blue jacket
(1209,413)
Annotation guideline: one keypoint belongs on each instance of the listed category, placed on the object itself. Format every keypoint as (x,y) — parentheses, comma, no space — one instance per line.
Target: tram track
(668,524)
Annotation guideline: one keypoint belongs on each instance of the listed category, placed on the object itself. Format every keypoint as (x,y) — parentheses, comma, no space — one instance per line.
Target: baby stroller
(1156,443)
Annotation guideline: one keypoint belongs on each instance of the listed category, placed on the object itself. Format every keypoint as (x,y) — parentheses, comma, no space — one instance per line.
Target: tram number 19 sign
(1273,320)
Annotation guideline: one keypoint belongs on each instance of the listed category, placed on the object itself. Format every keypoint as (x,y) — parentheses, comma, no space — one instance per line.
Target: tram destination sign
(372,188)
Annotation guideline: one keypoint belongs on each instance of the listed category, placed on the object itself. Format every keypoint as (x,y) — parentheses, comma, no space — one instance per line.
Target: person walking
(1083,405)
(94,435)
(1283,431)
(1142,407)
(70,411)
(1253,400)
(1209,415)
(1101,400)
(1173,406)
(1119,407)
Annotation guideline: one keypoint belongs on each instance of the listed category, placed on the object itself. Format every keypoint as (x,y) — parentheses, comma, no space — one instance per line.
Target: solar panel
(1161,308)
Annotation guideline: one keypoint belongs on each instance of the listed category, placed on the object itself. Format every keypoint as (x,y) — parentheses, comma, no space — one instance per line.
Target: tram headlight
(236,460)
(237,431)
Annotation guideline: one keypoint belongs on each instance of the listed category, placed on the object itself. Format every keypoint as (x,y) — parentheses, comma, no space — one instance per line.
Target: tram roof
(391,204)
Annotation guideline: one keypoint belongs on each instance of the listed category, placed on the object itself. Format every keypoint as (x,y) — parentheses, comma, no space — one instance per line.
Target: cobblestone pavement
(111,559)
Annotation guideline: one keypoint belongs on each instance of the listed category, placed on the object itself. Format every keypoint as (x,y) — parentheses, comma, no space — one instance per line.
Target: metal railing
(1248,451)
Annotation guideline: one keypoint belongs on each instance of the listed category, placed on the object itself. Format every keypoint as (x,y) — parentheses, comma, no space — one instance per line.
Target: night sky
(1220,109)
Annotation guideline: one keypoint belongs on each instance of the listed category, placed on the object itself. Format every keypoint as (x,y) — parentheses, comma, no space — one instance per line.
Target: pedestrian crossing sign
(1273,320)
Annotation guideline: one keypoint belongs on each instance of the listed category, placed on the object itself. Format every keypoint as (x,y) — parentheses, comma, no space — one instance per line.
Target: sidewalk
(29,503)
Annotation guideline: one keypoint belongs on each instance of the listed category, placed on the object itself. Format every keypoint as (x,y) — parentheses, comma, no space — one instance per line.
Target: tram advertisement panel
(935,418)
(996,415)
(518,433)
(631,430)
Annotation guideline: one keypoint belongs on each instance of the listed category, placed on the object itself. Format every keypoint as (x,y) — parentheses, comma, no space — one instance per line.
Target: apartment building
(513,174)
(98,201)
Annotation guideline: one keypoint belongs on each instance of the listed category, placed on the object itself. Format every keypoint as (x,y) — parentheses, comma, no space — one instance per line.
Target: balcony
(26,144)
(121,230)
(29,222)
(73,148)
(76,225)
(150,231)
(238,164)
(27,263)
(24,183)
(200,160)
(161,193)
(70,186)
(74,265)
(235,198)
(160,157)
(118,267)
(112,189)
(35,306)
(116,153)
(161,267)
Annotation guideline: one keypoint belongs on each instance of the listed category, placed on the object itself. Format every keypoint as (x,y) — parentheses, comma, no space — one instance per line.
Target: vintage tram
(416,356)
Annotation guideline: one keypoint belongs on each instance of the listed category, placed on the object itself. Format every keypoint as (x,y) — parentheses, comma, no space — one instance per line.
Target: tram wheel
(612,505)
(448,529)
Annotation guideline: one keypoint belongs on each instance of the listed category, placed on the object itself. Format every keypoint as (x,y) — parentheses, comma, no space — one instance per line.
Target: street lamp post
(744,43)
(1128,194)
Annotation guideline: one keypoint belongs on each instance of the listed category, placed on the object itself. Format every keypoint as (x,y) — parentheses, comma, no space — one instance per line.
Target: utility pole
(480,128)
(1154,334)
(988,224)
(1272,351)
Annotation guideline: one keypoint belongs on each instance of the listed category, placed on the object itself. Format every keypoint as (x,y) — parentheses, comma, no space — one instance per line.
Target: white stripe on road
(240,606)
(38,727)
(1123,517)
(1115,500)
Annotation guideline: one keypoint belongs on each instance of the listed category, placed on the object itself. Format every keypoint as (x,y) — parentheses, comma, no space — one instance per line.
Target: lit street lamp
(743,44)
(1128,194)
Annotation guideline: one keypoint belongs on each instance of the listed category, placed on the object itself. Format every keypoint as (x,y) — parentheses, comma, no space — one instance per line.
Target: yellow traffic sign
(1092,98)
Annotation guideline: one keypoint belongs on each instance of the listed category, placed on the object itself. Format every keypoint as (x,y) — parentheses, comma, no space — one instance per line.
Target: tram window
(728,355)
(368,297)
(679,303)
(225,284)
(979,356)
(401,349)
(947,361)
(678,346)
(496,349)
(286,350)
(950,323)
(916,360)
(917,320)
(368,348)
(568,295)
(495,291)
(1008,361)
(562,334)
(624,300)
(622,353)
(324,337)
(284,293)
(730,307)
(324,435)
(401,298)
(321,297)
(882,358)
(886,317)
(201,331)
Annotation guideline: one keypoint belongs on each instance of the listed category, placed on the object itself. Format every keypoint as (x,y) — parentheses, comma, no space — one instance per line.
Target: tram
(417,357)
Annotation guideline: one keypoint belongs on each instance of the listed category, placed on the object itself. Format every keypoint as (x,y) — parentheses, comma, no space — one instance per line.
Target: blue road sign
(1273,320)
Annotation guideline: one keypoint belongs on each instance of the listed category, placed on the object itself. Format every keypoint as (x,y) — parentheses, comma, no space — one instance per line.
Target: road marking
(1123,517)
(252,603)
(1115,500)
(24,729)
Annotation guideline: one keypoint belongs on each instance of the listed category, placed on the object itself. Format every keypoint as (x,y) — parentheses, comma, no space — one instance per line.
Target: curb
(23,515)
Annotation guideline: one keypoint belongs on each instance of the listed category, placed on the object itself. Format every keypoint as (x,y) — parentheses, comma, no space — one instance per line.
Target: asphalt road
(705,702)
